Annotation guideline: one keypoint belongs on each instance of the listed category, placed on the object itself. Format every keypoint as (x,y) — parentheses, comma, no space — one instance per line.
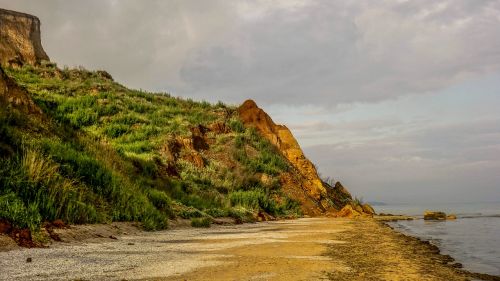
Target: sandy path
(284,245)
(304,249)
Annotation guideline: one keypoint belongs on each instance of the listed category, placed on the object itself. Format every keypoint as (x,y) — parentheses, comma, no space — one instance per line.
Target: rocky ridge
(280,136)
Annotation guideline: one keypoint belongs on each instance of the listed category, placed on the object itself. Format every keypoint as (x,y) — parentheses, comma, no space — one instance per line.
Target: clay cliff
(279,135)
(20,40)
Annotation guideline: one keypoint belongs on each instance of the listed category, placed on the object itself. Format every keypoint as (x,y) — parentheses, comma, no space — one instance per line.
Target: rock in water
(432,215)
(20,40)
(451,217)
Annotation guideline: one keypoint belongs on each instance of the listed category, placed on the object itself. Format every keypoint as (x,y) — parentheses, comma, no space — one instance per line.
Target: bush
(201,222)
(258,199)
(14,210)
(241,214)
(217,213)
(160,200)
(190,212)
(357,201)
(115,130)
(236,125)
(152,220)
(36,180)
(239,141)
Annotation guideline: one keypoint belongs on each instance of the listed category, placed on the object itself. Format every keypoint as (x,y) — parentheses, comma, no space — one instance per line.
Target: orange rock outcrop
(279,135)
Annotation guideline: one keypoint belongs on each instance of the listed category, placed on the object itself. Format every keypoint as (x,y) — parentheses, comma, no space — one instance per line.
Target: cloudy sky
(400,100)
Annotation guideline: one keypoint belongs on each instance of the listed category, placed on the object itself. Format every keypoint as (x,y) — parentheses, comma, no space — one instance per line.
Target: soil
(303,249)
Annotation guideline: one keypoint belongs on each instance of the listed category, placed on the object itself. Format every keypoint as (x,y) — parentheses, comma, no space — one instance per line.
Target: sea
(473,239)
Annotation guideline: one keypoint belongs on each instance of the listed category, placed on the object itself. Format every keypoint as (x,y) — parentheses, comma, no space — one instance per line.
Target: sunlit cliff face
(20,38)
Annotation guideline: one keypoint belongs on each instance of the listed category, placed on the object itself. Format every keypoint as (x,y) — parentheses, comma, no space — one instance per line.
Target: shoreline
(302,249)
(449,260)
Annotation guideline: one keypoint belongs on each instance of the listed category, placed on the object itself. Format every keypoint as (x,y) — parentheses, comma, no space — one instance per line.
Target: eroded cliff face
(13,95)
(20,40)
(282,138)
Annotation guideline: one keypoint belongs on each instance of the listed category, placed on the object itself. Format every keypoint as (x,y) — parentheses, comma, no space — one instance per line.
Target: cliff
(20,40)
(81,148)
(279,135)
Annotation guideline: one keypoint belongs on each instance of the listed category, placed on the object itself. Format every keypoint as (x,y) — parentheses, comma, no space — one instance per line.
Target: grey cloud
(452,162)
(321,56)
(319,52)
(367,51)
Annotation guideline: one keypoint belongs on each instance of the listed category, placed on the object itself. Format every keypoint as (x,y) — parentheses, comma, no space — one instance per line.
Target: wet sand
(304,249)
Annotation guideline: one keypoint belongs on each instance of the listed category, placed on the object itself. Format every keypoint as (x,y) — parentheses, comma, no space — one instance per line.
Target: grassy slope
(96,155)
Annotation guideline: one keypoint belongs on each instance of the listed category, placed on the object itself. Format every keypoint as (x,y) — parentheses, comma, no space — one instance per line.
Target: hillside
(79,147)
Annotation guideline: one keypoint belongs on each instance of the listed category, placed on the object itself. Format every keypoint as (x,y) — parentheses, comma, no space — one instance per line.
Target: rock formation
(20,40)
(431,215)
(279,135)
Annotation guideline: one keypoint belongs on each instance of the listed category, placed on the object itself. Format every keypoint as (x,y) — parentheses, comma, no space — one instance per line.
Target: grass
(15,211)
(98,155)
(201,222)
(357,201)
(267,159)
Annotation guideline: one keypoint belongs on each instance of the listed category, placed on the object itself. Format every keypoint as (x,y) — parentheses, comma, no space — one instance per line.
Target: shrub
(258,199)
(357,201)
(201,222)
(190,212)
(248,199)
(115,130)
(239,141)
(236,125)
(241,214)
(83,117)
(217,213)
(160,200)
(38,168)
(14,210)
(152,220)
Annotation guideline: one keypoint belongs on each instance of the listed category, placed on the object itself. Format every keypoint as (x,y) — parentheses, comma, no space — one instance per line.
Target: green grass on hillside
(96,156)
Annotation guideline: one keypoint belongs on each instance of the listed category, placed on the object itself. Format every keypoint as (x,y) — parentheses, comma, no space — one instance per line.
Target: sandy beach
(303,249)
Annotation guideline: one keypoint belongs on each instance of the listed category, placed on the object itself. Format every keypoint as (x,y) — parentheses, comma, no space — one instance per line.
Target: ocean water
(473,239)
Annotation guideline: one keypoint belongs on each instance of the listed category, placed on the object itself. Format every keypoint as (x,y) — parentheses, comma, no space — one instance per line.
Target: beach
(303,249)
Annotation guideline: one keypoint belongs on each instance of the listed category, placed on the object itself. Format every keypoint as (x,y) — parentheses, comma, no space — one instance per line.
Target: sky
(399,100)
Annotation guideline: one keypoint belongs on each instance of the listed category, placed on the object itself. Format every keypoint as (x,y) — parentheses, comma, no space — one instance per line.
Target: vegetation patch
(100,154)
(201,222)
